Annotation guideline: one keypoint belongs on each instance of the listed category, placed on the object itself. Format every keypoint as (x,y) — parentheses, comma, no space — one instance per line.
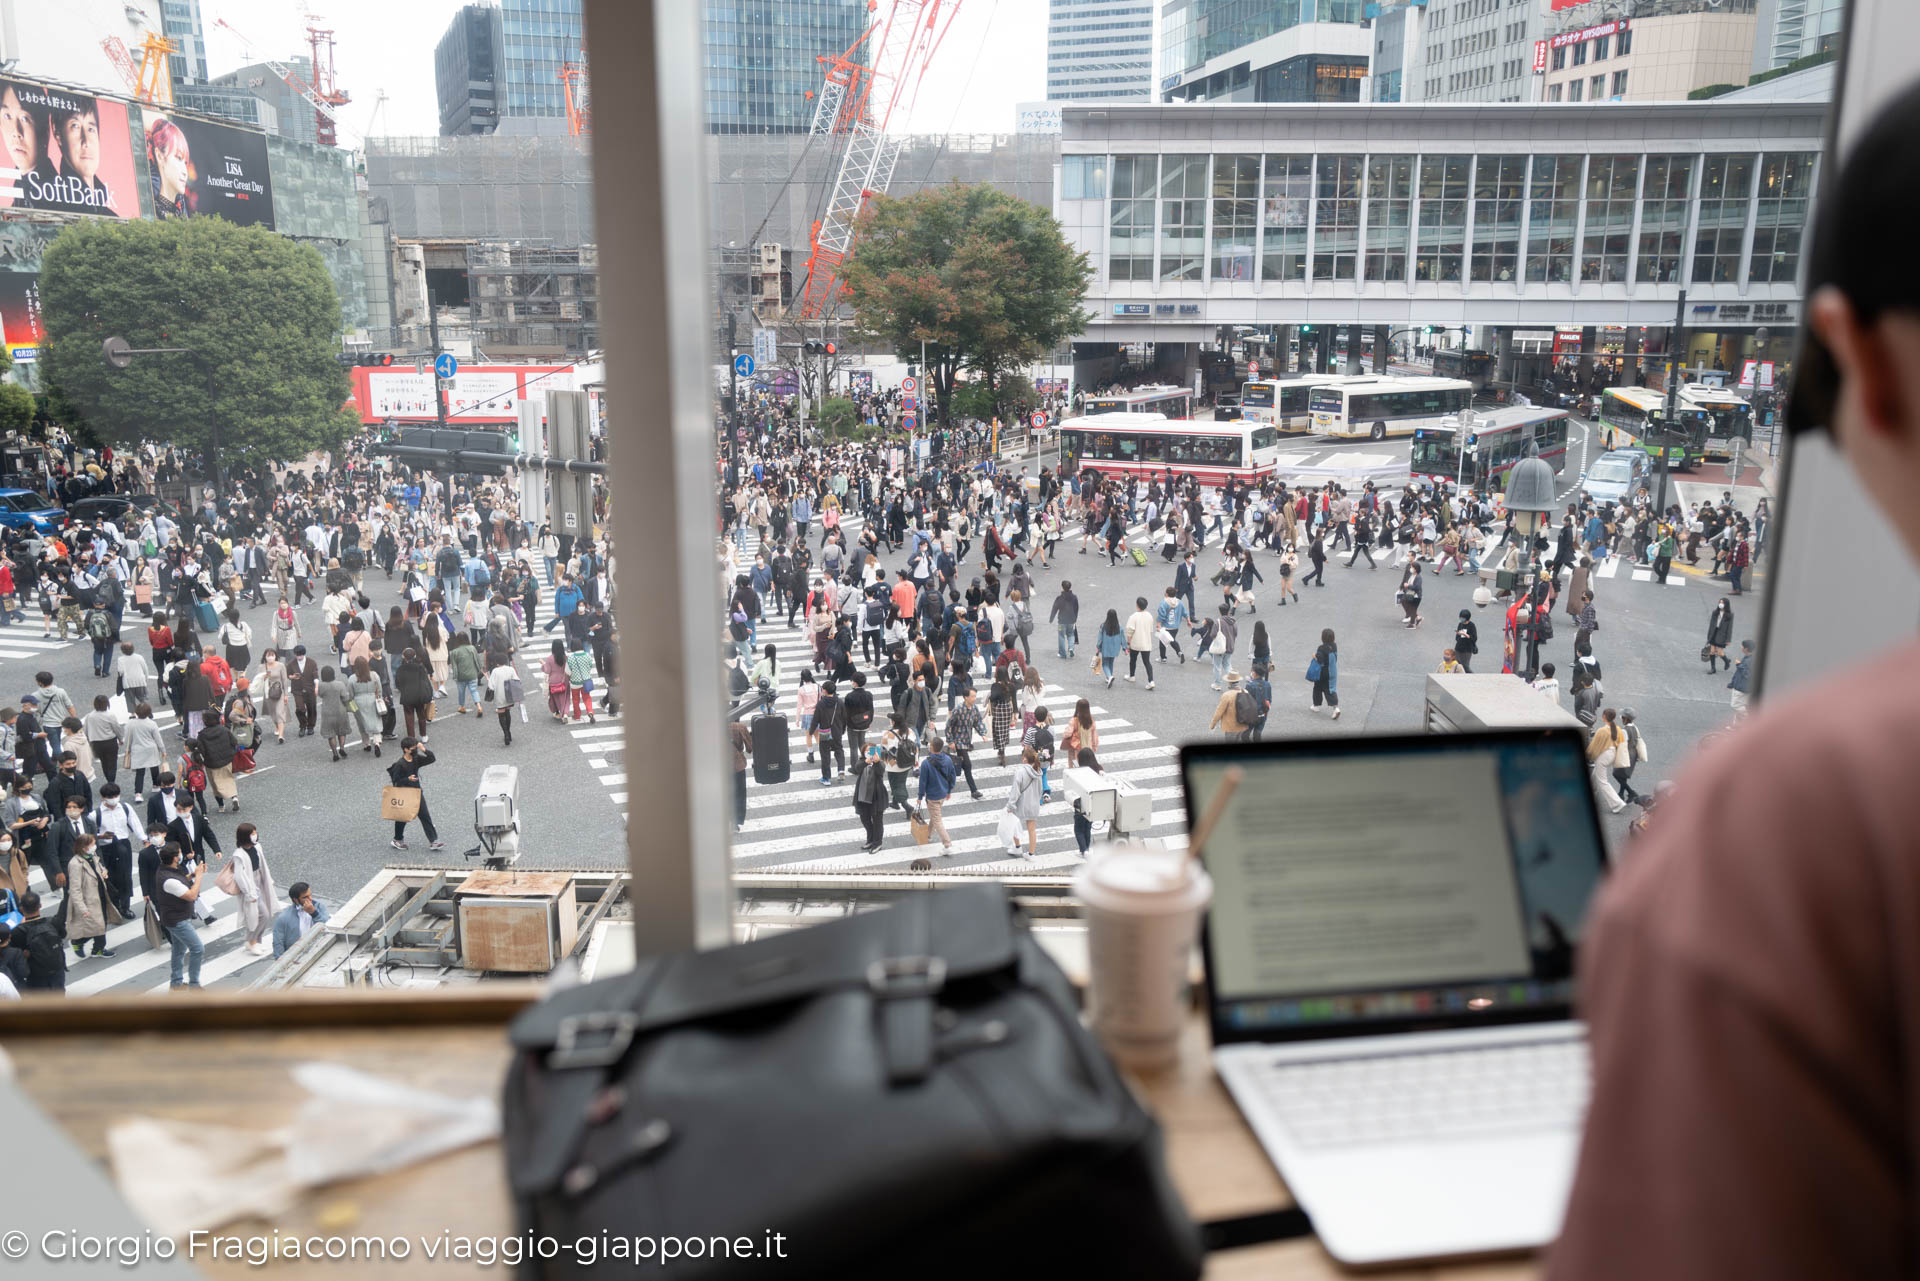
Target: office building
(180,23)
(539,37)
(1663,53)
(1100,50)
(256,95)
(763,59)
(1231,51)
(1454,51)
(1795,29)
(467,71)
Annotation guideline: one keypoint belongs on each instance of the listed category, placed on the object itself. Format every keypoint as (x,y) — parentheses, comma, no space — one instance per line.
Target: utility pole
(733,403)
(1676,354)
(433,339)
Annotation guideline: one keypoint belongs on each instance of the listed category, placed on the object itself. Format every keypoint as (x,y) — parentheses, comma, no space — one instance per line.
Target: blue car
(27,509)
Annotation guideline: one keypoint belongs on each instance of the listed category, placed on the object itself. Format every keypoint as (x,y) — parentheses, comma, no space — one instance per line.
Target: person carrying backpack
(101,631)
(1236,712)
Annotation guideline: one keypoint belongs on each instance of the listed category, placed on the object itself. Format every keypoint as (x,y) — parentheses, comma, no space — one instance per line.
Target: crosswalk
(19,641)
(136,966)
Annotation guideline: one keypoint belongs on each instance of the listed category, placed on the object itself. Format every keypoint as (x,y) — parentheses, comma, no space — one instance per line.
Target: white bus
(1382,407)
(1166,400)
(1281,403)
(1154,447)
(1729,418)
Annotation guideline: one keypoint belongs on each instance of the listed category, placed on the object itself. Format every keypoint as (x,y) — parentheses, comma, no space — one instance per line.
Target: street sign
(909,386)
(909,421)
(445,366)
(743,366)
(1039,418)
(444,384)
(1253,369)
(766,351)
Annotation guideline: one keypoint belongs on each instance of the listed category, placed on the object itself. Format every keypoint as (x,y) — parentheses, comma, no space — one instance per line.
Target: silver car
(1615,476)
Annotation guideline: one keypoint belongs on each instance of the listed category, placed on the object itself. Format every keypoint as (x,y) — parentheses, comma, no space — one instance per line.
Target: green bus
(1637,418)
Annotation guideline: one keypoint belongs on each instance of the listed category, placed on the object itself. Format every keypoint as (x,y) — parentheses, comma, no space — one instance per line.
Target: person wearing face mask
(26,816)
(15,860)
(89,910)
(186,826)
(253,887)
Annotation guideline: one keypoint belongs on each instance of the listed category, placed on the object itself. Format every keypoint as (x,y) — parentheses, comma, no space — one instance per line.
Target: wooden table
(88,1063)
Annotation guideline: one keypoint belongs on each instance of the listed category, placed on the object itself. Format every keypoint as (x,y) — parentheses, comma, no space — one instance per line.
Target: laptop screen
(1372,884)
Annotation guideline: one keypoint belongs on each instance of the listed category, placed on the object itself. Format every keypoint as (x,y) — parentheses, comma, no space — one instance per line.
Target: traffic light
(833,349)
(377,360)
(812,346)
(1427,330)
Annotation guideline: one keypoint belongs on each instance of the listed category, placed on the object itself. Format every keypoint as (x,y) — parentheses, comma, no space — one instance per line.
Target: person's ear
(1867,366)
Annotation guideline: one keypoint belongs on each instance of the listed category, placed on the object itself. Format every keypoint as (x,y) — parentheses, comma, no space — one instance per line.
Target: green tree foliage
(838,416)
(17,407)
(258,308)
(985,280)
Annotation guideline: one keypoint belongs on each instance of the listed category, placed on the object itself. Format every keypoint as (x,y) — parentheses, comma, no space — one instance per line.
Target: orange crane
(573,78)
(152,80)
(860,99)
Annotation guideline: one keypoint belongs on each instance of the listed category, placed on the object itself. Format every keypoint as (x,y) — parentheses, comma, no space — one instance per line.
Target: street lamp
(1530,498)
(118,354)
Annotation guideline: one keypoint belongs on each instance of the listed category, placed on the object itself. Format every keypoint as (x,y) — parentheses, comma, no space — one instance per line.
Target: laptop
(1389,970)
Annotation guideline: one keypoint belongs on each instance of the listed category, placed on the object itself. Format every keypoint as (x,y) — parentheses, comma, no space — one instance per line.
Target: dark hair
(29,903)
(244,834)
(1326,635)
(100,702)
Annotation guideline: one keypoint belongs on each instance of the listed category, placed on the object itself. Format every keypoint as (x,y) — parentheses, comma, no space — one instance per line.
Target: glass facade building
(763,59)
(1100,50)
(180,23)
(467,71)
(538,37)
(1198,30)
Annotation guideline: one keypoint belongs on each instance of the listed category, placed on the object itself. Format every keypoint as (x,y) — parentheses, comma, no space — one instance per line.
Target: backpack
(1025,626)
(99,625)
(1246,709)
(983,630)
(903,753)
(876,614)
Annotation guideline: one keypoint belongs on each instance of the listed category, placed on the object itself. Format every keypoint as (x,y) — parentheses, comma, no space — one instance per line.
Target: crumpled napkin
(181,1176)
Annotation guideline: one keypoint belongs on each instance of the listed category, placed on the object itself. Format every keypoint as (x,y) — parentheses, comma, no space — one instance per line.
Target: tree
(17,407)
(258,310)
(838,417)
(985,280)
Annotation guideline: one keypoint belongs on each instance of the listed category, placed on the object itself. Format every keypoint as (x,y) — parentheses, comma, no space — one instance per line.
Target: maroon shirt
(1751,981)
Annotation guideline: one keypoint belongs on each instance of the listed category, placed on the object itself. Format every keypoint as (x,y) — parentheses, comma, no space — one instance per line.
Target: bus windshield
(1327,400)
(1436,454)
(1257,396)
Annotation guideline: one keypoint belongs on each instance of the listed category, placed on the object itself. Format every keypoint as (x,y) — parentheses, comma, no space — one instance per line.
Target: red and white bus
(1152,447)
(1495,441)
(1166,400)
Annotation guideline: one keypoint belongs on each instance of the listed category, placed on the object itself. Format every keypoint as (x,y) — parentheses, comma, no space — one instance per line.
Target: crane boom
(322,103)
(864,101)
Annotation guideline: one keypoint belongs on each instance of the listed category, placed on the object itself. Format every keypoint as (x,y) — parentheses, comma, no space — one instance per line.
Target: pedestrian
(1587,622)
(965,723)
(1001,709)
(1139,630)
(1260,689)
(554,666)
(1741,682)
(237,636)
(1636,754)
(509,694)
(1317,556)
(1223,640)
(252,883)
(176,895)
(937,775)
(829,721)
(1169,617)
(102,731)
(302,912)
(1023,799)
(742,742)
(1719,634)
(405,772)
(1111,641)
(870,796)
(1606,751)
(1324,671)
(1587,694)
(1412,588)
(1065,616)
(368,704)
(1082,824)
(413,685)
(303,680)
(1289,559)
(1466,640)
(215,747)
(89,908)
(1235,713)
(806,698)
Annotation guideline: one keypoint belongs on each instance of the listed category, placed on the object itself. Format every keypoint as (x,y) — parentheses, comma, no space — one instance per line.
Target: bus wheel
(1379,432)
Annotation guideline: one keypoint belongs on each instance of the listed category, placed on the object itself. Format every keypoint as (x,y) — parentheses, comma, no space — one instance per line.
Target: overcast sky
(993,58)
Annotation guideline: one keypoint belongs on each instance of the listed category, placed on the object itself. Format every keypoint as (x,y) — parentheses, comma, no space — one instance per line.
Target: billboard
(480,393)
(65,151)
(197,167)
(20,314)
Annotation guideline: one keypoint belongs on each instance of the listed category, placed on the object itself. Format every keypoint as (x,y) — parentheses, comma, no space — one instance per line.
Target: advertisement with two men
(65,151)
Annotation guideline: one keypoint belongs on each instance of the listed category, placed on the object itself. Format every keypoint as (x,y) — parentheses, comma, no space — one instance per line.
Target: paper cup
(1142,909)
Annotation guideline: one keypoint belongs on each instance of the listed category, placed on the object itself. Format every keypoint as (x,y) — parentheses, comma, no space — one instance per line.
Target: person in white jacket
(1140,625)
(252,887)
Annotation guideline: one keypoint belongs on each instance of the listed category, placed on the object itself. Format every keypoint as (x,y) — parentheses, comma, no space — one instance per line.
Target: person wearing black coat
(413,685)
(1719,634)
(859,707)
(1466,640)
(829,719)
(217,747)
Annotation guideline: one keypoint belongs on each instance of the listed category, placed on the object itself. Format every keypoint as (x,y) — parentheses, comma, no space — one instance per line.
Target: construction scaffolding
(534,299)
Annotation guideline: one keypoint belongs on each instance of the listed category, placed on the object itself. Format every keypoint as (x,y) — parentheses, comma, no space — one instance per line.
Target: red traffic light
(386,358)
(833,349)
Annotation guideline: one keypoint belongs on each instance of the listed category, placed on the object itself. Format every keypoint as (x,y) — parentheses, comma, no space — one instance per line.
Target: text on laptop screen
(1422,878)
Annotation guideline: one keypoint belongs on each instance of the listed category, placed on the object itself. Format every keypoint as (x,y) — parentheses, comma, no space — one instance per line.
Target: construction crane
(860,100)
(579,91)
(152,80)
(322,95)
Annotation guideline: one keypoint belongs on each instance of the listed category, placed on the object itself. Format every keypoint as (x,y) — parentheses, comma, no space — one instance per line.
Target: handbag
(1313,669)
(150,926)
(228,883)
(243,761)
(399,804)
(930,1049)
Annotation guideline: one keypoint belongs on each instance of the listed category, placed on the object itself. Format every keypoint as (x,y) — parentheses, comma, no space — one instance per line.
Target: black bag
(908,1091)
(771,762)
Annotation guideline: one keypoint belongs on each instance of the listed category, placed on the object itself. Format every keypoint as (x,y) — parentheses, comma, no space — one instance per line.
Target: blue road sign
(445,366)
(909,422)
(743,366)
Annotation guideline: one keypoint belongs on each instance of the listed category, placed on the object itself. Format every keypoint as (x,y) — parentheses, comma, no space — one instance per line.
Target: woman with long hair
(1324,670)
(1082,734)
(364,689)
(434,641)
(554,667)
(1112,641)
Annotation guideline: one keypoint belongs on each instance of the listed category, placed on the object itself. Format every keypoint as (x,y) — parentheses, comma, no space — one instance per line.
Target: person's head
(67,762)
(1585,597)
(109,792)
(1326,636)
(1547,670)
(75,807)
(1746,647)
(362,669)
(1626,716)
(30,904)
(22,130)
(327,674)
(1030,757)
(1465,614)
(101,702)
(42,679)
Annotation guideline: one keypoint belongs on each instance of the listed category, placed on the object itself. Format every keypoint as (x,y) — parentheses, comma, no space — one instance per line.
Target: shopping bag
(1009,830)
(226,880)
(922,830)
(243,761)
(399,804)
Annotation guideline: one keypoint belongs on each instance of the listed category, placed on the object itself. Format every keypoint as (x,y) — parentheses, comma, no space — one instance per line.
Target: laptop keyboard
(1444,1094)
